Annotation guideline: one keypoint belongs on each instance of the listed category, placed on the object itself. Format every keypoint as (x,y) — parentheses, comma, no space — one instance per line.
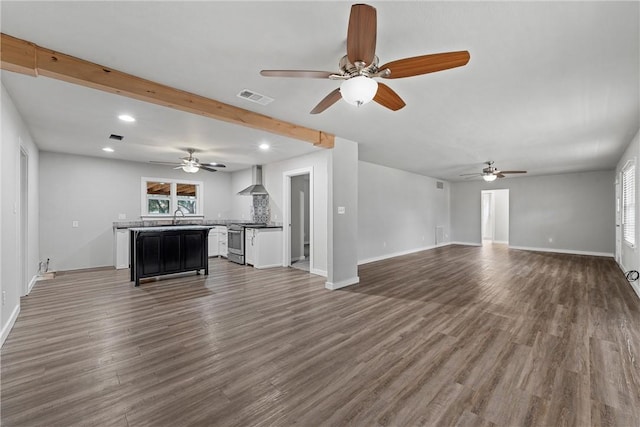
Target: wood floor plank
(458,335)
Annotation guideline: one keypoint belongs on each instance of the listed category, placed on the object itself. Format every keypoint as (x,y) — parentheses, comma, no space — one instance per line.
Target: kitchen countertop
(172,228)
(164,223)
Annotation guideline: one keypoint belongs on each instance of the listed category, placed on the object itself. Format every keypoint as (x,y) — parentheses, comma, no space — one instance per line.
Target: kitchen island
(156,251)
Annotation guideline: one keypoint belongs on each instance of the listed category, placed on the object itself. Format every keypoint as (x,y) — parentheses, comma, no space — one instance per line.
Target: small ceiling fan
(490,173)
(191,164)
(360,65)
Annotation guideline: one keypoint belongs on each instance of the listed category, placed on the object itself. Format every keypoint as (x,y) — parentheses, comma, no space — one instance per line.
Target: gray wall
(398,212)
(14,136)
(343,228)
(575,211)
(94,191)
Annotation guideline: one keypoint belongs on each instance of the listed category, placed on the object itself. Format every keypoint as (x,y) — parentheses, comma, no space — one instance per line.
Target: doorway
(298,219)
(494,216)
(23,227)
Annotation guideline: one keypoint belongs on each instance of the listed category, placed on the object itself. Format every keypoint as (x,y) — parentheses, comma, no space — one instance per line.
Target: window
(629,203)
(162,197)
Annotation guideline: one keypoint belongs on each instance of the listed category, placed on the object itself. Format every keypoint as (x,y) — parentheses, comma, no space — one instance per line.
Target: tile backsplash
(260,211)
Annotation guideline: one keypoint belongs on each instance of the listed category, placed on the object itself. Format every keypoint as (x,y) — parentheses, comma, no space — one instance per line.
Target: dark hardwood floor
(464,336)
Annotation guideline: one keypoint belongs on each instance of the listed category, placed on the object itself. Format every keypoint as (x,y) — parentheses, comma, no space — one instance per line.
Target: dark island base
(159,251)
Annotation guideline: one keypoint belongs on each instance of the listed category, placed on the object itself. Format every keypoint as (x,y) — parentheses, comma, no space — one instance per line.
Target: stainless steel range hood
(256,187)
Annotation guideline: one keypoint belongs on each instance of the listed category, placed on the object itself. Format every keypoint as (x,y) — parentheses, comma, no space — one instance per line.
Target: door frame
(286,215)
(23,218)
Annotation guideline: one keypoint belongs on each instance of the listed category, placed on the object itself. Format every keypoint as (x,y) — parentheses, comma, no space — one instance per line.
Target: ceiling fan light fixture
(190,168)
(489,177)
(358,90)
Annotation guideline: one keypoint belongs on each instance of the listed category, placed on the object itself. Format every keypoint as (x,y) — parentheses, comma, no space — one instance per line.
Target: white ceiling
(550,87)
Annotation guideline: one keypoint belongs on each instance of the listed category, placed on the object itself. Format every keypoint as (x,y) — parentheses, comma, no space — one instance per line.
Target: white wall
(93,191)
(576,211)
(14,136)
(398,212)
(272,179)
(629,257)
(241,205)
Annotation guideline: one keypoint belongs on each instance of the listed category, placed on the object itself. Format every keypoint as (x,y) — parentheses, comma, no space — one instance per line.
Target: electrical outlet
(341,210)
(122,216)
(4,297)
(75,224)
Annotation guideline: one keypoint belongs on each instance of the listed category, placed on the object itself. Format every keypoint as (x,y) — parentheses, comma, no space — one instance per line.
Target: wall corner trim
(7,328)
(318,272)
(342,283)
(32,283)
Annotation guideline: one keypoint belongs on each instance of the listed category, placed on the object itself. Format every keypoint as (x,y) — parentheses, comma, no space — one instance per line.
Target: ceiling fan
(360,65)
(490,173)
(191,164)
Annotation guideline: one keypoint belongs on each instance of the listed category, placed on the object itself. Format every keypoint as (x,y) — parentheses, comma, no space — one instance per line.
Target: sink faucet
(175,214)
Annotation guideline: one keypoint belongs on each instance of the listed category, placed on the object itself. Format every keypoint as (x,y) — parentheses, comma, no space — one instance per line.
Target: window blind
(629,203)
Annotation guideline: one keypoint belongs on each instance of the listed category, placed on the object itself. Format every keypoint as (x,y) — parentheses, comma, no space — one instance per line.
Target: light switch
(341,210)
(75,224)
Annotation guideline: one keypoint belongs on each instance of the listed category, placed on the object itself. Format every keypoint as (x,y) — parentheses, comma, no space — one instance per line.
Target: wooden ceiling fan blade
(513,171)
(207,168)
(386,97)
(304,74)
(425,64)
(361,34)
(327,102)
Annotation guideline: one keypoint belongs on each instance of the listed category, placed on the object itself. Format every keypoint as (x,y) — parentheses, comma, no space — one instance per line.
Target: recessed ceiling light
(108,149)
(126,118)
(264,146)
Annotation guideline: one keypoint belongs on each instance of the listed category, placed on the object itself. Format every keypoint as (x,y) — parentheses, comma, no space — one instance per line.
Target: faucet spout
(175,214)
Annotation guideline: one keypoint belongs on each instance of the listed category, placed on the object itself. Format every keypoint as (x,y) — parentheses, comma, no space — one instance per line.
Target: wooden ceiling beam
(28,58)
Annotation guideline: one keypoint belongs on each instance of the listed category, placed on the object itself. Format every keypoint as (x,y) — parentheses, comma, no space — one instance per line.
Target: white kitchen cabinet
(213,242)
(222,241)
(218,241)
(121,248)
(263,247)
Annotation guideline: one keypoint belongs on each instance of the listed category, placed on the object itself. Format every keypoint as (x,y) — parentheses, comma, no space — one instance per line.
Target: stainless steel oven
(235,244)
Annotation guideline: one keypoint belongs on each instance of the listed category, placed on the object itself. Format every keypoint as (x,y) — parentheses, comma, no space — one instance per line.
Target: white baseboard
(7,328)
(466,243)
(33,281)
(318,272)
(396,254)
(501,242)
(268,266)
(563,251)
(342,283)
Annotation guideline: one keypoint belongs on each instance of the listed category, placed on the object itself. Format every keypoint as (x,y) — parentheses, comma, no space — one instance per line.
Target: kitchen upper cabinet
(263,247)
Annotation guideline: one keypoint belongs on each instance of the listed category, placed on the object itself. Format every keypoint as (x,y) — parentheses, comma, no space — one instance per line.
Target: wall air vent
(439,185)
(116,137)
(252,96)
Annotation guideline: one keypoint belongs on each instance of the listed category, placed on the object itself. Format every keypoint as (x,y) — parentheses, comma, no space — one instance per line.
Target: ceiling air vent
(252,96)
(439,185)
(116,137)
